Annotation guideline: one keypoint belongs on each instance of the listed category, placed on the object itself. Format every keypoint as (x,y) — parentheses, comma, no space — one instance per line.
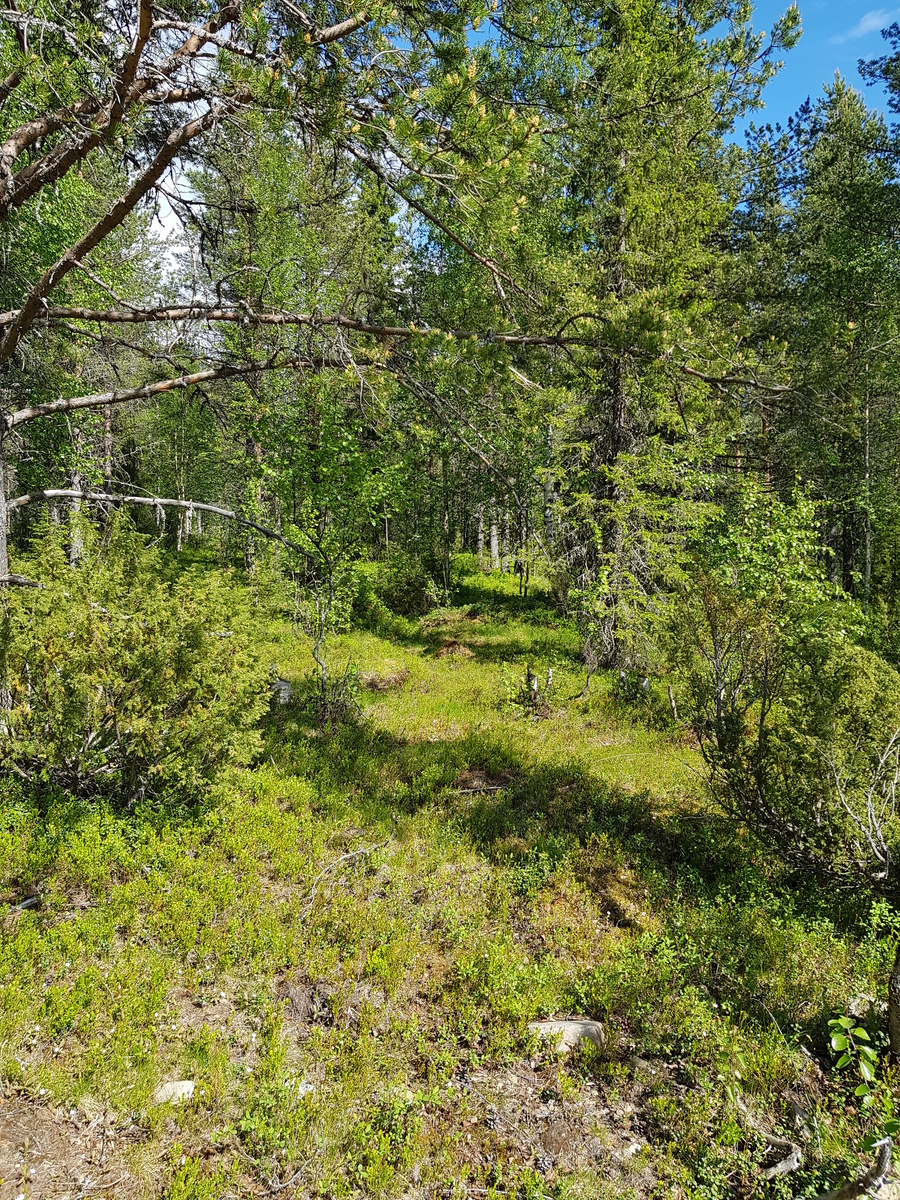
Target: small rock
(168,1093)
(566,1035)
(631,1151)
(280,690)
(862,1007)
(543,1164)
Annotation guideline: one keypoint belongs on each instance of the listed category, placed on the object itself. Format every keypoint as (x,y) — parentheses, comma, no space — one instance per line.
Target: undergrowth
(342,947)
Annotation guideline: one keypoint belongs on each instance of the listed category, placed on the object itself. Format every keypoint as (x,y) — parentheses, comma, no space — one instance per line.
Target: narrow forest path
(342,948)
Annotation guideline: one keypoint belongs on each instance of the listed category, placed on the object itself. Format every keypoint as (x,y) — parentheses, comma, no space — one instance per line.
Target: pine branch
(170,149)
(244,315)
(127,91)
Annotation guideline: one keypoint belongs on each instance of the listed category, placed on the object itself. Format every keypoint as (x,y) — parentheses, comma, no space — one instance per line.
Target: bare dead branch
(18,581)
(872,825)
(145,391)
(154,502)
(869,1181)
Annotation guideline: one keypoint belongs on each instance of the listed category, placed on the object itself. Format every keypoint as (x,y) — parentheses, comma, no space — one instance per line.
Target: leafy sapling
(851,1042)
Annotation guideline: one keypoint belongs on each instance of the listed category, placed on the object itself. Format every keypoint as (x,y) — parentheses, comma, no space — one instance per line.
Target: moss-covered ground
(342,947)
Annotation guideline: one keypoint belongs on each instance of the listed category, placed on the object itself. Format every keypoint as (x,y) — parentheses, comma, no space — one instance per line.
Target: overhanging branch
(171,148)
(147,390)
(154,502)
(244,315)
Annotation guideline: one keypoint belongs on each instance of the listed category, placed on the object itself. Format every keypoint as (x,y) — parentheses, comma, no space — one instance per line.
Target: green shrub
(402,583)
(384,1141)
(118,682)
(368,609)
(798,726)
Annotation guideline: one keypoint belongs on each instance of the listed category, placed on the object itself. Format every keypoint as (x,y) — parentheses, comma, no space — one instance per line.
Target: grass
(343,946)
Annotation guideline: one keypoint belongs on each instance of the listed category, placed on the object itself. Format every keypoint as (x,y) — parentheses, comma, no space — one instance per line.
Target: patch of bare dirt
(453,649)
(478,779)
(212,1009)
(372,682)
(48,1153)
(525,1116)
(306,1004)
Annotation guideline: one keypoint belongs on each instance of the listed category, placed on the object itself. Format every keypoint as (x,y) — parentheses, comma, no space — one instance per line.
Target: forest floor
(341,950)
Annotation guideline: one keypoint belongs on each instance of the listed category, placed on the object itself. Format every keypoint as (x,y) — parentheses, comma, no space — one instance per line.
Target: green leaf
(862,1090)
(839,1042)
(842,1061)
(866,1071)
(868,1053)
(861,1035)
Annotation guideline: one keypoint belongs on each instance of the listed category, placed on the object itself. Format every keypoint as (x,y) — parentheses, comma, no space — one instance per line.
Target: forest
(449,604)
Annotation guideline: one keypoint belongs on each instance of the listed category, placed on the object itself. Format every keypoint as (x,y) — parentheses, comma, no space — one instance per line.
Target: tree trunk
(4,554)
(479,535)
(445,523)
(253,453)
(107,448)
(495,541)
(549,533)
(5,696)
(847,554)
(76,538)
(617,444)
(504,541)
(894,1007)
(619,411)
(867,533)
(834,559)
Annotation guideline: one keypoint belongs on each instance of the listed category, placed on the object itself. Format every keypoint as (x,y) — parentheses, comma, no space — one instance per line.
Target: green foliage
(851,1042)
(193,1179)
(796,723)
(402,583)
(124,684)
(324,999)
(383,1141)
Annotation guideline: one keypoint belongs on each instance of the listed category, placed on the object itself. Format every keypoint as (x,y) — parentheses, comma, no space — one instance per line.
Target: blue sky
(835,36)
